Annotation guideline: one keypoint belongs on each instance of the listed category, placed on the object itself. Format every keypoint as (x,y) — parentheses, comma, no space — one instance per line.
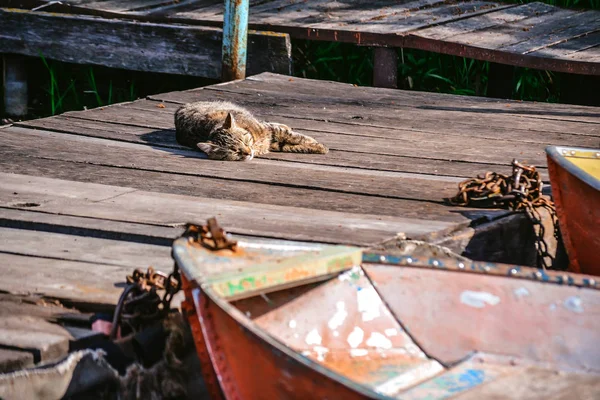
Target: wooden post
(15,86)
(501,81)
(235,40)
(385,67)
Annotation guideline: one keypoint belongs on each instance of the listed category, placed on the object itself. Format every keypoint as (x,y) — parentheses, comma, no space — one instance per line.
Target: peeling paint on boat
(321,351)
(359,352)
(478,299)
(391,332)
(521,292)
(355,338)
(378,340)
(339,317)
(313,337)
(418,374)
(368,303)
(574,304)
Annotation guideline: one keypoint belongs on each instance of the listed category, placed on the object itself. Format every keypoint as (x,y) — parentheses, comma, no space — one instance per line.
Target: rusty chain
(141,304)
(522,191)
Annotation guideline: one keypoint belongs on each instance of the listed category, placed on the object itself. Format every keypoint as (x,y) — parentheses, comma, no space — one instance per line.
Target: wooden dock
(87,196)
(534,35)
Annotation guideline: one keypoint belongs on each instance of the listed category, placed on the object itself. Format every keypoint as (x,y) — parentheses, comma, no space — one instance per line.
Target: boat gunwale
(555,153)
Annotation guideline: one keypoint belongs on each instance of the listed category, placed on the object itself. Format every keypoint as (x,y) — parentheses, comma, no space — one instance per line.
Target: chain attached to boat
(211,236)
(141,304)
(522,191)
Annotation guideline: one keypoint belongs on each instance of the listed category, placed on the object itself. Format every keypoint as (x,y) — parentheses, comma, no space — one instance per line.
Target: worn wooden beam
(152,47)
(385,67)
(14,81)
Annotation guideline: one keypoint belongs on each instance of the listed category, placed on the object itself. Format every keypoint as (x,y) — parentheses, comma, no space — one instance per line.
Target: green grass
(56,87)
(417,70)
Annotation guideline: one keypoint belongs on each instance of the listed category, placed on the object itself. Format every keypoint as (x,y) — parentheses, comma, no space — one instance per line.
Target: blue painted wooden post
(235,40)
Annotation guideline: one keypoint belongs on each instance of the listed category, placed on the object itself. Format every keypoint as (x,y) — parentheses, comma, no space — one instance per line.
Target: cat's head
(229,142)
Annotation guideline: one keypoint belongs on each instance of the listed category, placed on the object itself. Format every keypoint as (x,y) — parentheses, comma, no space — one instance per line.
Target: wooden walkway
(86,197)
(532,35)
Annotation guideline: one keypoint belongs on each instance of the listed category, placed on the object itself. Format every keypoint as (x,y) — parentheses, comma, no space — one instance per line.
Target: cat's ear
(229,122)
(208,148)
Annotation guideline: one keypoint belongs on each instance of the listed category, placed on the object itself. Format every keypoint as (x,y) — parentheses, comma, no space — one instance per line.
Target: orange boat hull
(238,364)
(578,210)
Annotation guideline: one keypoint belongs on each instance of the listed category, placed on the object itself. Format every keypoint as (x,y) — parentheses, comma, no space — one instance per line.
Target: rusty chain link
(141,304)
(522,191)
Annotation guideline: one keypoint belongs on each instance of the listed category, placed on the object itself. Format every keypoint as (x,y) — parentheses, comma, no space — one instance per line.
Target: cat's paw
(320,148)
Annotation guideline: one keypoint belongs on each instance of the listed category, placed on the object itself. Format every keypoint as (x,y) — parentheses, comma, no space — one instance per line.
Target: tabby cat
(225,131)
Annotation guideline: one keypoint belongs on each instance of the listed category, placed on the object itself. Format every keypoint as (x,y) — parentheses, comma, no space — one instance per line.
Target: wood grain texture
(153,47)
(239,217)
(483,30)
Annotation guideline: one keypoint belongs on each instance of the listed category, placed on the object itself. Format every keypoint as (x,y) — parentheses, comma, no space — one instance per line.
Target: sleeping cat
(225,131)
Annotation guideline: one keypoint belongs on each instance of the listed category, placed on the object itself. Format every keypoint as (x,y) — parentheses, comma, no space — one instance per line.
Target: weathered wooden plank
(122,6)
(347,92)
(59,246)
(409,20)
(38,307)
(89,227)
(413,164)
(445,122)
(476,23)
(243,191)
(502,36)
(570,47)
(400,143)
(585,23)
(137,46)
(12,360)
(44,340)
(70,281)
(238,217)
(345,180)
(267,89)
(592,54)
(341,158)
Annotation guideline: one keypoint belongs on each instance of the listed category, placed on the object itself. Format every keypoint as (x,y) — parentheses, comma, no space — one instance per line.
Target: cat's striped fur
(225,131)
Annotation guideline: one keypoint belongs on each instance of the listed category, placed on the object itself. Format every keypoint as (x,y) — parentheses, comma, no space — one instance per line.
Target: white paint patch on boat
(391,332)
(414,350)
(368,303)
(379,341)
(521,292)
(321,351)
(359,352)
(348,275)
(574,304)
(478,299)
(313,337)
(292,324)
(410,378)
(336,333)
(296,336)
(338,318)
(306,353)
(355,338)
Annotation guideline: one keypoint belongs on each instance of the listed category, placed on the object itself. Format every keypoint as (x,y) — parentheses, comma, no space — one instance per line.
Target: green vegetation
(56,87)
